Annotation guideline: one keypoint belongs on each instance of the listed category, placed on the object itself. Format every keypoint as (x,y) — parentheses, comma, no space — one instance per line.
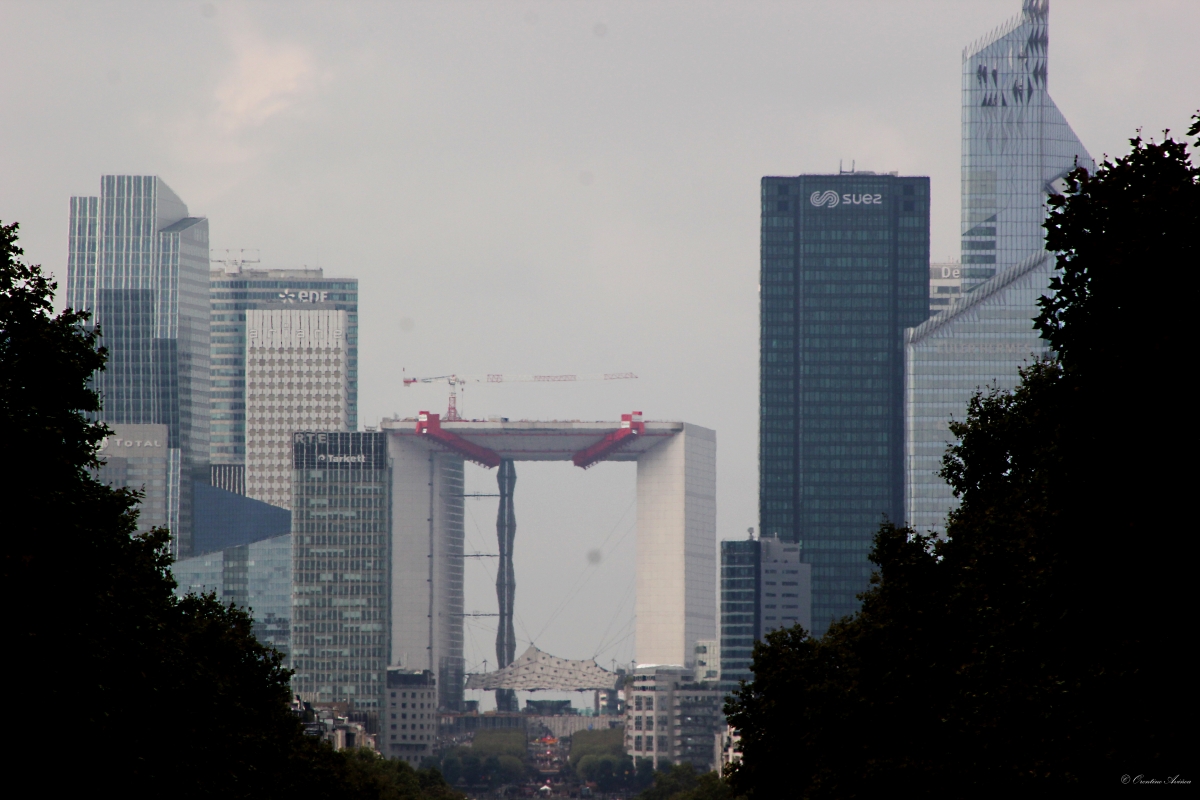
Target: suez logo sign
(833,199)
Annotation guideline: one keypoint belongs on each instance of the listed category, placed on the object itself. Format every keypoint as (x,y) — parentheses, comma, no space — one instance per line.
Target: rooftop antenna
(234,259)
(750,533)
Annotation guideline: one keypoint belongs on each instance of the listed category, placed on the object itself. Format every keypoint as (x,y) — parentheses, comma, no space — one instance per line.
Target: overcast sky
(539,187)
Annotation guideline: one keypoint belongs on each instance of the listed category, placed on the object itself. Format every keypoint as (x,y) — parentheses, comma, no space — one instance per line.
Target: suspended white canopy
(534,670)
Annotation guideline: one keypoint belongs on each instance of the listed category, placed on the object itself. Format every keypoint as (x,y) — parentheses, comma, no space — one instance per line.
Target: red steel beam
(631,426)
(431,425)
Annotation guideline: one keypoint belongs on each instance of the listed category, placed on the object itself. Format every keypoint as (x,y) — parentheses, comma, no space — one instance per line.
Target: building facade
(706,668)
(672,719)
(427,565)
(233,293)
(845,269)
(676,598)
(408,730)
(784,587)
(945,285)
(137,457)
(296,380)
(139,262)
(1017,148)
(980,341)
(256,577)
(741,625)
(1016,145)
(341,568)
(226,519)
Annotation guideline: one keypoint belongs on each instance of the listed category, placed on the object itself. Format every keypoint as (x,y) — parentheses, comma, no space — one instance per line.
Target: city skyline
(653,219)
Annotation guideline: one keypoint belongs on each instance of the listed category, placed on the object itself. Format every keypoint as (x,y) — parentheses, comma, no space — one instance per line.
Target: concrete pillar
(676,547)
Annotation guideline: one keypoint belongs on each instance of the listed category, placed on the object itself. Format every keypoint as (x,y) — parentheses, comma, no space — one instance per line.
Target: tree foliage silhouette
(1038,646)
(106,669)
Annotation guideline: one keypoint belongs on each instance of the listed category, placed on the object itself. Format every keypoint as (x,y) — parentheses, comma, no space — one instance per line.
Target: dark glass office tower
(235,293)
(845,269)
(740,623)
(341,568)
(139,263)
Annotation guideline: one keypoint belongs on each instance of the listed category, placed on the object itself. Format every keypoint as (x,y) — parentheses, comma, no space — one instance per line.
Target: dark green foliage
(1039,648)
(610,741)
(495,758)
(369,775)
(149,694)
(682,782)
(500,742)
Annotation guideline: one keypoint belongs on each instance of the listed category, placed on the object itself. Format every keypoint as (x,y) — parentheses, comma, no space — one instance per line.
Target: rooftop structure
(535,670)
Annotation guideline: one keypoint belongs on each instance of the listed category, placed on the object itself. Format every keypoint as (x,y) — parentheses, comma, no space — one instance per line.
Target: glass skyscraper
(982,340)
(255,576)
(341,568)
(139,262)
(1017,147)
(845,269)
(740,624)
(235,293)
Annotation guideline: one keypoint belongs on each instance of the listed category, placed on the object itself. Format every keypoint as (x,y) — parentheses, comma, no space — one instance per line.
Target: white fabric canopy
(534,670)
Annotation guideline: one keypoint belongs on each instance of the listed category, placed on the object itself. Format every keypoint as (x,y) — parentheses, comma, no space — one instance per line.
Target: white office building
(784,586)
(296,380)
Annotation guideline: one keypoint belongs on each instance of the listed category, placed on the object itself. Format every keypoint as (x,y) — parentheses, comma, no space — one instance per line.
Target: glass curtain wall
(845,269)
(140,264)
(1016,145)
(740,624)
(341,529)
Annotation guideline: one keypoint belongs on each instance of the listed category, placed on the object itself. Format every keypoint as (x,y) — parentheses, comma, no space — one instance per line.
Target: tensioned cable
(616,613)
(622,639)
(608,643)
(579,587)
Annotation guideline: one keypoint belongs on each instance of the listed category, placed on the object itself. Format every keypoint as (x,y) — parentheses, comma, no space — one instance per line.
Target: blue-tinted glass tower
(740,610)
(1016,148)
(139,262)
(845,269)
(1016,145)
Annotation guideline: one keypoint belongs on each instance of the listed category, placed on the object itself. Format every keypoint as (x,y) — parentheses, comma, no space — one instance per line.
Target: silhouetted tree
(107,672)
(1037,647)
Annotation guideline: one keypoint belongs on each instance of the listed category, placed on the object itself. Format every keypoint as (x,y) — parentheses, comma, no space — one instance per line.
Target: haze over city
(541,187)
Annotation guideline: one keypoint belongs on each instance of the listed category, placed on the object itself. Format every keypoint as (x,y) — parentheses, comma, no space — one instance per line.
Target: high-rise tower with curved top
(1016,145)
(1016,150)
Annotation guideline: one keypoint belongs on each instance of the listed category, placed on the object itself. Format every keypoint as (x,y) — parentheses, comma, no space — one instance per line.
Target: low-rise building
(410,718)
(672,719)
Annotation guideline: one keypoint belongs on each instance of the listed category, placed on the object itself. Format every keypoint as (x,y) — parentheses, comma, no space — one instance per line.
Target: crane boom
(456,381)
(496,377)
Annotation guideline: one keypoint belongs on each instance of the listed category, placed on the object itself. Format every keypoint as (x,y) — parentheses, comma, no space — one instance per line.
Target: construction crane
(234,259)
(457,381)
